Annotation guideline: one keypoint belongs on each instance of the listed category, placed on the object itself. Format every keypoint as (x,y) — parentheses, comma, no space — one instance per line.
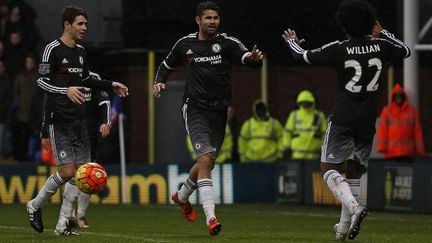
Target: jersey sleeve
(323,55)
(170,62)
(104,105)
(103,101)
(398,49)
(46,69)
(240,52)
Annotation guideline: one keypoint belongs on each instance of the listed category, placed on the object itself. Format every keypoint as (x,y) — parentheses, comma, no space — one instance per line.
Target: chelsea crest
(216,48)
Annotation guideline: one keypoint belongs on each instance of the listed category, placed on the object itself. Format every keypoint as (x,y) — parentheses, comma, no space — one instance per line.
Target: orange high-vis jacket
(399,130)
(47,155)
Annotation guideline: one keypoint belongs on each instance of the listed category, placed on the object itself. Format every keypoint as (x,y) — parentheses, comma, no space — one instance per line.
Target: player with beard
(208,57)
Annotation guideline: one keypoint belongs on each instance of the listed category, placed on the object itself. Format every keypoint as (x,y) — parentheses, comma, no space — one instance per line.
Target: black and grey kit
(208,66)
(62,67)
(358,63)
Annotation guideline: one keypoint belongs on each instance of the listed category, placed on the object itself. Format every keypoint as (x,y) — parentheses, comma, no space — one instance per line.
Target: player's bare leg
(206,194)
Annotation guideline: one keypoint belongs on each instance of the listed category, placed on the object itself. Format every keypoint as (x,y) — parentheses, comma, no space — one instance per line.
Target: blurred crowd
(21,106)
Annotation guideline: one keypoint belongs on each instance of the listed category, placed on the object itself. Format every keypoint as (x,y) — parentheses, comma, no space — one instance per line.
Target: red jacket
(399,129)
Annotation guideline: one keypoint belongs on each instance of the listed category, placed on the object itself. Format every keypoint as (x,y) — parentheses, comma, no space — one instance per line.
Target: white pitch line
(90,233)
(318,215)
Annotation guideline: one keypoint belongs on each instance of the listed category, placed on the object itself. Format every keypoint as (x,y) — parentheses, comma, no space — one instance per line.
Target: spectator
(2,50)
(399,131)
(18,23)
(261,137)
(5,111)
(24,90)
(304,129)
(4,17)
(15,54)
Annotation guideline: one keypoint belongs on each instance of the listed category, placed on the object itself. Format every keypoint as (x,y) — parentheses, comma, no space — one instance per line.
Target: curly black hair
(356,17)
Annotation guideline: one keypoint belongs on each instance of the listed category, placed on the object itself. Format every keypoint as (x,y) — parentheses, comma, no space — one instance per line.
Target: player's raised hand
(291,35)
(377,29)
(120,89)
(157,88)
(255,55)
(75,95)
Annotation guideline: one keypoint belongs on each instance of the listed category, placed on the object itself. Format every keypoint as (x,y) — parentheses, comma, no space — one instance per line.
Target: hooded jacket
(260,140)
(304,129)
(399,130)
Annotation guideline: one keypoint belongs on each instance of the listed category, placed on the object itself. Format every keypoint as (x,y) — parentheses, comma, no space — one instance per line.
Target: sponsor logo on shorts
(197,146)
(331,156)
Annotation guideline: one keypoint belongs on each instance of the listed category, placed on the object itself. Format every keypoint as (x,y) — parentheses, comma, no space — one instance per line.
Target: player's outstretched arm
(291,39)
(120,89)
(400,48)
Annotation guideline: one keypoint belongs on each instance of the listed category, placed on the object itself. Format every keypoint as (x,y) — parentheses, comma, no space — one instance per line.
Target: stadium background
(120,36)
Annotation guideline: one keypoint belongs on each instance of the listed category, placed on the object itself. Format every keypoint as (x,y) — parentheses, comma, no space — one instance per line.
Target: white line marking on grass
(305,214)
(89,233)
(318,215)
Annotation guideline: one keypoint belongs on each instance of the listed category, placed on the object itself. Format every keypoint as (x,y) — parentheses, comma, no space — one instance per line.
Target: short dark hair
(206,5)
(71,12)
(356,17)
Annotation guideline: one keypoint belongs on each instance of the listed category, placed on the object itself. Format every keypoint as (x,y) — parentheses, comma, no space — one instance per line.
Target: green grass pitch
(241,223)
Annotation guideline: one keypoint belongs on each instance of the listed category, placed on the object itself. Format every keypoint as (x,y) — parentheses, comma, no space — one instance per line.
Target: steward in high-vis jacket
(399,130)
(261,137)
(305,129)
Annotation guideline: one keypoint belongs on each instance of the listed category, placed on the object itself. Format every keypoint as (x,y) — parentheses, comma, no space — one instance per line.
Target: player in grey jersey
(358,62)
(208,57)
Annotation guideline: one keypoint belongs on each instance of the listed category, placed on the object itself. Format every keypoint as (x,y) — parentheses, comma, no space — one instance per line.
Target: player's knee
(356,174)
(355,170)
(67,173)
(206,161)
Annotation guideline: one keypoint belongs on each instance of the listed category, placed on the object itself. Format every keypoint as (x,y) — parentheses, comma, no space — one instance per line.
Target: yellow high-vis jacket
(261,140)
(305,130)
